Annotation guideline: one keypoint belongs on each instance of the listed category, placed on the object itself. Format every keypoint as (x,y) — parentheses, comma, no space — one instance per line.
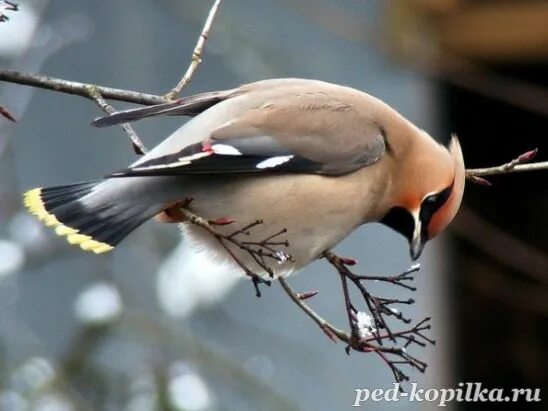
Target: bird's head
(430,195)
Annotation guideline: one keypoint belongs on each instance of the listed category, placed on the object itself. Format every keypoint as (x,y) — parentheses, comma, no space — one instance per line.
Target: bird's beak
(416,244)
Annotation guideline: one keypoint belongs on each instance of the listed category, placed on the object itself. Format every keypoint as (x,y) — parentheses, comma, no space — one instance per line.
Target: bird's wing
(193,105)
(297,132)
(187,106)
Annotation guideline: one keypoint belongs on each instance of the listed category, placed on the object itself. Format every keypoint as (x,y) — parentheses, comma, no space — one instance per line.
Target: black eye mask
(401,220)
(430,205)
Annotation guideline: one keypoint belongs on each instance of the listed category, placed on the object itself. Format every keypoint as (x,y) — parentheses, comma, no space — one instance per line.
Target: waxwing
(313,158)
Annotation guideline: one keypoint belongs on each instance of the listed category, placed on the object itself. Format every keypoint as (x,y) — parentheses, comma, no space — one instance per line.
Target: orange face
(444,215)
(432,196)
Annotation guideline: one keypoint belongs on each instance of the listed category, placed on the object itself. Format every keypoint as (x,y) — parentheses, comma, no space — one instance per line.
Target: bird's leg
(173,213)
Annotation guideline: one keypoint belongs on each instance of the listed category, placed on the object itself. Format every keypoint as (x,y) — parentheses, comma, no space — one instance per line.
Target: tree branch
(507,169)
(259,251)
(332,332)
(514,166)
(138,145)
(79,89)
(6,114)
(7,5)
(197,53)
(369,340)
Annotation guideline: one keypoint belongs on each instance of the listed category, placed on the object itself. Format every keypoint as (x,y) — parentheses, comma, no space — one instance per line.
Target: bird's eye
(431,200)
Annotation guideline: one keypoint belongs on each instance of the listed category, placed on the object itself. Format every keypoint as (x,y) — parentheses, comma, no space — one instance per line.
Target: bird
(311,160)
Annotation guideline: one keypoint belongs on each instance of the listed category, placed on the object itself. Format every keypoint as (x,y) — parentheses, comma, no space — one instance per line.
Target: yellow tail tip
(32,200)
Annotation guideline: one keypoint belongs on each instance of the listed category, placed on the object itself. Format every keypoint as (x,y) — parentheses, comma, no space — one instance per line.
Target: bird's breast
(313,213)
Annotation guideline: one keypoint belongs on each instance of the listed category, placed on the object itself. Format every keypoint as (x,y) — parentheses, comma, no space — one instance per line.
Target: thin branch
(82,90)
(6,114)
(504,169)
(197,53)
(138,145)
(396,279)
(79,89)
(258,250)
(394,356)
(332,332)
(351,312)
(514,166)
(130,96)
(7,6)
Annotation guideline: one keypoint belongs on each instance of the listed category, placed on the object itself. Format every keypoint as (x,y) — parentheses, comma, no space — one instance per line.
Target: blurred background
(129,331)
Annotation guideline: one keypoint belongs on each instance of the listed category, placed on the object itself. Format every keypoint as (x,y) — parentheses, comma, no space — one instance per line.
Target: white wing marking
(274,161)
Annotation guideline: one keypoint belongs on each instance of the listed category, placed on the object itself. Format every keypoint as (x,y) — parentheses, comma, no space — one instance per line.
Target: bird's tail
(85,216)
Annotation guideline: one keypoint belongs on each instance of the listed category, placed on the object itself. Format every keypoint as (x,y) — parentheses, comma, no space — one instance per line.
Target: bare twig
(514,166)
(82,89)
(197,53)
(507,169)
(5,113)
(79,89)
(260,251)
(332,332)
(6,5)
(377,306)
(393,355)
(138,145)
